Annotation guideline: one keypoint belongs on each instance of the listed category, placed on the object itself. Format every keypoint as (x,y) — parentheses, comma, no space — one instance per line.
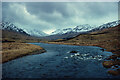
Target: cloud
(48,16)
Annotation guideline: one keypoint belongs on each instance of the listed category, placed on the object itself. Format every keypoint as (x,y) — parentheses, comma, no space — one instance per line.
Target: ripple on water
(86,56)
(58,62)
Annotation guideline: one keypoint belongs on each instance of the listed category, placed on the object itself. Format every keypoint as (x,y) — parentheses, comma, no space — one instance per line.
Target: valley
(105,36)
(60,39)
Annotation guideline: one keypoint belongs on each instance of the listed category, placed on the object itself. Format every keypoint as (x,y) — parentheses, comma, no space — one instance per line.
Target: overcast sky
(49,16)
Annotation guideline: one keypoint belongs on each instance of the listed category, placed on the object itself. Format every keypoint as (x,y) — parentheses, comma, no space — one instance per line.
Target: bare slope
(12,36)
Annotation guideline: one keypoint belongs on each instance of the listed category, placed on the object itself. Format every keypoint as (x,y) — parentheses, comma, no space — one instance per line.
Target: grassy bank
(12,51)
(108,39)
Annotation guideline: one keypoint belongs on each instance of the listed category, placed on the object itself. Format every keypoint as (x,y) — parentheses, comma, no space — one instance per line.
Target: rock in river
(73,51)
(108,64)
(114,72)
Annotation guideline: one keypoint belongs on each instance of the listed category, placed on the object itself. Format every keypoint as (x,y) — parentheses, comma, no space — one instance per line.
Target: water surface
(58,62)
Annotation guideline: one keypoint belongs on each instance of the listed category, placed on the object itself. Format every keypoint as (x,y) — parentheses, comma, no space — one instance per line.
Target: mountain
(82,28)
(12,27)
(77,29)
(11,33)
(85,28)
(60,36)
(107,25)
(63,31)
(35,32)
(69,33)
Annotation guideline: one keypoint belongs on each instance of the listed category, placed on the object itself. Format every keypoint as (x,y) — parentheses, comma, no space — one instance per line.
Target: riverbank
(107,39)
(112,62)
(13,50)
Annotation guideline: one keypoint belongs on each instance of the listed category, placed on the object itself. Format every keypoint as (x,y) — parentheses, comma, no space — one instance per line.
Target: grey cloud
(47,7)
(53,15)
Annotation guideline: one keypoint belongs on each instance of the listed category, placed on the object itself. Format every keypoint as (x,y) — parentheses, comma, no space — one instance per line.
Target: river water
(58,62)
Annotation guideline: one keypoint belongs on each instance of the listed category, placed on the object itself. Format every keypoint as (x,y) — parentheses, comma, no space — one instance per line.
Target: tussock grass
(14,50)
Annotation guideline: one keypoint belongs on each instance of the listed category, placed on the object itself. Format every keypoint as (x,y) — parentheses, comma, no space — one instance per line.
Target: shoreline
(13,51)
(108,63)
(82,45)
(112,61)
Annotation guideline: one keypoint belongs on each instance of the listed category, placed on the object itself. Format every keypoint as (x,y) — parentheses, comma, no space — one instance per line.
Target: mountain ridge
(85,28)
(12,27)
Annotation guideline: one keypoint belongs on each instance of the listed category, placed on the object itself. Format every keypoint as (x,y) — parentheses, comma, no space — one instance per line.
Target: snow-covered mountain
(107,25)
(35,32)
(12,27)
(80,28)
(85,28)
(62,31)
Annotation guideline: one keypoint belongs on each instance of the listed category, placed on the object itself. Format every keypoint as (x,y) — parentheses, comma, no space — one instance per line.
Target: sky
(49,16)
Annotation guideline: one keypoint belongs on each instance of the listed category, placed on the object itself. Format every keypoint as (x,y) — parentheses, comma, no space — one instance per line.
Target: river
(58,62)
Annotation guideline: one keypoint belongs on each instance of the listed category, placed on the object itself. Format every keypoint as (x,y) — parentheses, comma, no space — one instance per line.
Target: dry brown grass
(12,36)
(14,50)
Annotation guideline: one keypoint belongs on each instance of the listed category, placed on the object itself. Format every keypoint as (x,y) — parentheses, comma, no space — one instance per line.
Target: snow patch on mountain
(85,28)
(12,27)
(35,32)
(107,25)
(80,28)
(110,24)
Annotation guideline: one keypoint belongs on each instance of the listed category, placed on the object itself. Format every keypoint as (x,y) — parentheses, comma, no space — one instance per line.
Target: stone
(116,66)
(108,64)
(114,72)
(102,49)
(73,51)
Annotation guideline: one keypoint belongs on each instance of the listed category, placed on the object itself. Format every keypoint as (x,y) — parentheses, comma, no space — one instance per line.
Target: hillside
(12,36)
(107,38)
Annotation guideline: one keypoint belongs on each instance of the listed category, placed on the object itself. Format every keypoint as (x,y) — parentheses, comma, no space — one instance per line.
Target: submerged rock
(102,49)
(73,51)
